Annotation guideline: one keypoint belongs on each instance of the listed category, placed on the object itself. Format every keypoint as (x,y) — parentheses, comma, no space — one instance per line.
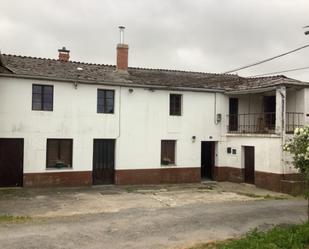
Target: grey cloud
(199,35)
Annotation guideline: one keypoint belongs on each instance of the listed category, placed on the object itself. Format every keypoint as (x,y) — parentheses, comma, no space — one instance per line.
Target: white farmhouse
(70,123)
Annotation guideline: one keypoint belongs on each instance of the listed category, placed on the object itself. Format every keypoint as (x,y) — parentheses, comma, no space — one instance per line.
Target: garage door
(11,162)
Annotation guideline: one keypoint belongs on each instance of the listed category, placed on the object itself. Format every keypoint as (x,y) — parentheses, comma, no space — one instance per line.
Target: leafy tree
(298,146)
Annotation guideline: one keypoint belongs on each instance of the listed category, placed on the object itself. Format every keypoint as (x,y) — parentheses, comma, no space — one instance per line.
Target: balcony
(262,123)
(293,120)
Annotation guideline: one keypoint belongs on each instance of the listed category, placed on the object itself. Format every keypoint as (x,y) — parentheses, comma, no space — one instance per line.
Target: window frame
(43,95)
(105,104)
(174,143)
(175,110)
(59,148)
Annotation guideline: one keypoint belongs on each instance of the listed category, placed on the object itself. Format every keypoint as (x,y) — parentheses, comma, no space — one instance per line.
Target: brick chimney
(122,53)
(64,54)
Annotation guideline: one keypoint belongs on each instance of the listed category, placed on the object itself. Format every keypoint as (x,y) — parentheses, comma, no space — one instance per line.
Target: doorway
(103,161)
(207,160)
(270,112)
(11,162)
(249,164)
(233,114)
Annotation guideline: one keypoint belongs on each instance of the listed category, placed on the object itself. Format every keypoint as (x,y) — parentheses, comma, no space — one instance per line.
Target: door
(270,112)
(11,162)
(207,160)
(233,114)
(103,161)
(249,164)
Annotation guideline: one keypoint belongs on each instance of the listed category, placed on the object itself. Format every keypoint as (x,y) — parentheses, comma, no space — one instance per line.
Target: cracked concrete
(170,216)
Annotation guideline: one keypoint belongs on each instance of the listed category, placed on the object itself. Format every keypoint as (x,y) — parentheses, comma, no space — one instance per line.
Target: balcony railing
(262,123)
(294,120)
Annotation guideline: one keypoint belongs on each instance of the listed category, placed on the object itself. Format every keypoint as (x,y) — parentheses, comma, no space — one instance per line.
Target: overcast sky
(196,35)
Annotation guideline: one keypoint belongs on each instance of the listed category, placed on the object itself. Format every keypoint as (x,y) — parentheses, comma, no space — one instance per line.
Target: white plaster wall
(295,100)
(144,122)
(268,152)
(250,103)
(74,116)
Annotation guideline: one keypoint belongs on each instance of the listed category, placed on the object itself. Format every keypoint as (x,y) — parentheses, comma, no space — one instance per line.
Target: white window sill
(59,169)
(168,165)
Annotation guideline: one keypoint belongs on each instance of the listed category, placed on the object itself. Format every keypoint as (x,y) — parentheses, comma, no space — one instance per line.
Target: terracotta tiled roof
(100,73)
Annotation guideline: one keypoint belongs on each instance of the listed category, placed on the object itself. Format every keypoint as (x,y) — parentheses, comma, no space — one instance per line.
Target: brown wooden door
(11,162)
(233,114)
(270,112)
(249,164)
(207,160)
(103,161)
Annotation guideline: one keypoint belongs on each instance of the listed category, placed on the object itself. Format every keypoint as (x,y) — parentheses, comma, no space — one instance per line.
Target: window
(105,102)
(42,97)
(175,104)
(168,152)
(59,153)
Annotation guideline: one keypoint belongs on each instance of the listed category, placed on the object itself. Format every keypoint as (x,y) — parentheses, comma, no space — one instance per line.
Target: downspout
(119,113)
(215,110)
(119,133)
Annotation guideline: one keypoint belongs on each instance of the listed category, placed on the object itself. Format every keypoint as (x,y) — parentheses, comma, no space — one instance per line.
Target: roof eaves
(113,83)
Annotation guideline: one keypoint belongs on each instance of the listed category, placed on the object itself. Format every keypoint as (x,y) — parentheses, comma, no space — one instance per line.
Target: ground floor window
(59,153)
(168,152)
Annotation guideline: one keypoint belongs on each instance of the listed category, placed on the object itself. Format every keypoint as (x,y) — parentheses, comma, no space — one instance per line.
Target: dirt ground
(162,216)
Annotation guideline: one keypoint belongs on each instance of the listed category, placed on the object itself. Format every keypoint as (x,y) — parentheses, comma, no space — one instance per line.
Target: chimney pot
(64,54)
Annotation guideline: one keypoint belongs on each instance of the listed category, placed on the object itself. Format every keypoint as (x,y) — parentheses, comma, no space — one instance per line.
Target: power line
(284,71)
(266,60)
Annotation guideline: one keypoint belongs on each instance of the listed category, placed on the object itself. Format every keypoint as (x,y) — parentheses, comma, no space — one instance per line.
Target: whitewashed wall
(144,122)
(268,152)
(74,116)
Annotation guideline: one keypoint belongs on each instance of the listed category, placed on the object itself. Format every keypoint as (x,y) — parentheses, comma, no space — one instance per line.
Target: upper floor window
(175,104)
(42,97)
(105,102)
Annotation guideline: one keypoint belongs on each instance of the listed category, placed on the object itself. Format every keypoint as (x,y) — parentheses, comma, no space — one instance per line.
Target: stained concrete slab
(139,217)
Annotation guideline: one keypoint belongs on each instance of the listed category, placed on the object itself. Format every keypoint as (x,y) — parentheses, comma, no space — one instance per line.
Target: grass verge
(280,237)
(13,219)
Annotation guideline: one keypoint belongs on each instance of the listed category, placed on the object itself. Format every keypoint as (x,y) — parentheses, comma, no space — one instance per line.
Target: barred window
(42,97)
(105,101)
(175,104)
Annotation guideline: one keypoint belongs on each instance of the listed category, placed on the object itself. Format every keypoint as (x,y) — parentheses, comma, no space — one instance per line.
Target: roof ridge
(132,68)
(179,71)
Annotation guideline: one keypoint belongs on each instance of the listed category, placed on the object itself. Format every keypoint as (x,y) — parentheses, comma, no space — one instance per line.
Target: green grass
(288,237)
(13,219)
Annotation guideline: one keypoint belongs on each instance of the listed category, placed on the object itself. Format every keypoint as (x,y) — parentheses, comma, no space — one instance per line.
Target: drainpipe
(215,110)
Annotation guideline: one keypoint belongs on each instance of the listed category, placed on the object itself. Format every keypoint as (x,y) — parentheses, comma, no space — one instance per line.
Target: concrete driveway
(173,216)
